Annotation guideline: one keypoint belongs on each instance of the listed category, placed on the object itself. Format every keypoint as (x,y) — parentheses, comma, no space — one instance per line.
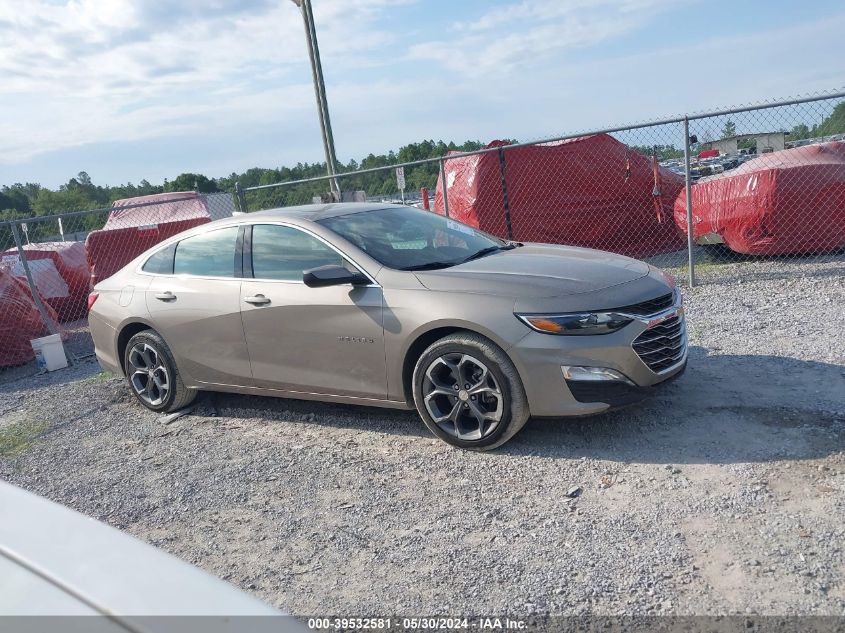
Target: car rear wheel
(468,392)
(152,374)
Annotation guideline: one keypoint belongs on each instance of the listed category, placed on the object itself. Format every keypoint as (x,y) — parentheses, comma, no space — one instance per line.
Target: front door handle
(165,296)
(257,300)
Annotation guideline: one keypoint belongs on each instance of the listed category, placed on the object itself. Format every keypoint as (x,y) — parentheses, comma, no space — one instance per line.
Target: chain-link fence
(48,265)
(745,193)
(766,189)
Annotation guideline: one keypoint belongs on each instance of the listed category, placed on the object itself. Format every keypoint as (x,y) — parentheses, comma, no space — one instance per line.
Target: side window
(210,254)
(283,252)
(161,263)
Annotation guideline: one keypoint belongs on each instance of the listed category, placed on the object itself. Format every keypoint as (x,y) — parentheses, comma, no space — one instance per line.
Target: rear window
(209,254)
(160,263)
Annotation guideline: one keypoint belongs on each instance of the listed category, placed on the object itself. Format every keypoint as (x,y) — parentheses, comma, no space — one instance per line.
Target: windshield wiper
(429,266)
(484,251)
(488,250)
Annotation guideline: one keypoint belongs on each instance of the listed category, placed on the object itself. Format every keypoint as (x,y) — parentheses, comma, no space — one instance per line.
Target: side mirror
(333,276)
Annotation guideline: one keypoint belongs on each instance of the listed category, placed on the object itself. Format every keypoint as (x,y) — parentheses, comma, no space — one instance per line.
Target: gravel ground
(723,495)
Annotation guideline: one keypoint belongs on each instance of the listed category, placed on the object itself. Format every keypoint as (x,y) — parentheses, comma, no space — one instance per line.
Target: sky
(147,89)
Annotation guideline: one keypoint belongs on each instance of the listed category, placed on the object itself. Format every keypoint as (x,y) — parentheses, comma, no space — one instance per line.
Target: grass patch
(681,273)
(96,379)
(18,437)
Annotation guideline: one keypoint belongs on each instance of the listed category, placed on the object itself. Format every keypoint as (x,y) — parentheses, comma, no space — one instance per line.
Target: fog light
(594,374)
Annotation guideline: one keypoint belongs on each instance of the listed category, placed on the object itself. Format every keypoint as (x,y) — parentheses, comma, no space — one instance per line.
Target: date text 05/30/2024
(416,624)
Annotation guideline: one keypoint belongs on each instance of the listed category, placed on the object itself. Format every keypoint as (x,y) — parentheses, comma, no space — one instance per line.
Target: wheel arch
(126,332)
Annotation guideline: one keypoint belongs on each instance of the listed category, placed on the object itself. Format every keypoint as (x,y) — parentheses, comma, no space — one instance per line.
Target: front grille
(663,345)
(652,306)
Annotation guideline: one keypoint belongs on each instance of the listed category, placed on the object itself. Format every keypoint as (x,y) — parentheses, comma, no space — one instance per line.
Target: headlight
(578,324)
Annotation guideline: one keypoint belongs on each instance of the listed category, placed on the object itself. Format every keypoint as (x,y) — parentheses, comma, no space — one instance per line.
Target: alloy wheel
(148,375)
(462,396)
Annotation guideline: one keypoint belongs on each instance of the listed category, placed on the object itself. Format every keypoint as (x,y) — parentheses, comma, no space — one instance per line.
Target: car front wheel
(153,375)
(468,392)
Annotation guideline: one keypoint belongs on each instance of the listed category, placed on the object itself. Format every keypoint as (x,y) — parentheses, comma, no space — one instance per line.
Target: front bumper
(539,358)
(616,394)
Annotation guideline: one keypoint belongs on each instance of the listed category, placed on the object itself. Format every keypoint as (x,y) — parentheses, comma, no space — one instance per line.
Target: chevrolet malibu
(389,306)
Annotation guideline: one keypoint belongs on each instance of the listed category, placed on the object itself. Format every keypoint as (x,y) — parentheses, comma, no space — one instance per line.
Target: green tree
(192,182)
(799,132)
(14,199)
(729,129)
(833,124)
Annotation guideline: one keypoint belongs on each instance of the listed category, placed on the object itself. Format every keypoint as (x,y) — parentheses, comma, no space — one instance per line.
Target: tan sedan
(390,306)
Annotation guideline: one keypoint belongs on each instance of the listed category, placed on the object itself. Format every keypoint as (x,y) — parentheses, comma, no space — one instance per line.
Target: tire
(489,373)
(161,389)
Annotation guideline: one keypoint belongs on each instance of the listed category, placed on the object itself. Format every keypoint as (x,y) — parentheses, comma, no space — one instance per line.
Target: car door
(194,302)
(317,340)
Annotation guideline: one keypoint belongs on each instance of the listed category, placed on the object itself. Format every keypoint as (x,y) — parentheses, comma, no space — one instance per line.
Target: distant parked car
(20,320)
(60,272)
(780,203)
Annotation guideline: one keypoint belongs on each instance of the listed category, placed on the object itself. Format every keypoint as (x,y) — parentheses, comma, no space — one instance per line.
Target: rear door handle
(257,300)
(165,296)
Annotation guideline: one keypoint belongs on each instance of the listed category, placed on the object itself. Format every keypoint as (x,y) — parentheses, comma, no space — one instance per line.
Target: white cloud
(91,71)
(232,76)
(539,100)
(506,38)
(540,11)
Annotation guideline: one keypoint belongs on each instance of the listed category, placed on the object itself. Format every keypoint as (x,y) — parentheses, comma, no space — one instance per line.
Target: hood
(537,270)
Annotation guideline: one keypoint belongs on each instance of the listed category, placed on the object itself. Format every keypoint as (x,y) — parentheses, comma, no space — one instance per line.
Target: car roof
(316,212)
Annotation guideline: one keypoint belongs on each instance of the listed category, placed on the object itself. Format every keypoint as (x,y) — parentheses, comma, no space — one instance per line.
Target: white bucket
(49,352)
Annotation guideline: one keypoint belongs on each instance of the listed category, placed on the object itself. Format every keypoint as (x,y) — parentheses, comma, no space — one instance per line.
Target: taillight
(92,298)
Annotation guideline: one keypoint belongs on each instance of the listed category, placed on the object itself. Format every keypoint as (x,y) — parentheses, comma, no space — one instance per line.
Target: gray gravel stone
(322,508)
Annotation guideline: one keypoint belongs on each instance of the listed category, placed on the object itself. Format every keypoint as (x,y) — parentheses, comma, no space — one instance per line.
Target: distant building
(766,142)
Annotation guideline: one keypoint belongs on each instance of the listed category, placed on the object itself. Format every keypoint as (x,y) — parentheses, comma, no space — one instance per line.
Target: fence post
(688,177)
(239,192)
(36,296)
(505,192)
(445,186)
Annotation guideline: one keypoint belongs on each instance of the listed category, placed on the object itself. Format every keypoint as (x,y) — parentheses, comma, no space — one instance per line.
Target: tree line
(27,200)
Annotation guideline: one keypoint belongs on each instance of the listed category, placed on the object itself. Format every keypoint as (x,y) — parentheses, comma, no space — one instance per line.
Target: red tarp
(19,320)
(786,202)
(708,153)
(128,232)
(66,289)
(590,191)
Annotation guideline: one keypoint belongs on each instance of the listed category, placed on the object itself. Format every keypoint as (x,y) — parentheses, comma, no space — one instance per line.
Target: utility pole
(320,92)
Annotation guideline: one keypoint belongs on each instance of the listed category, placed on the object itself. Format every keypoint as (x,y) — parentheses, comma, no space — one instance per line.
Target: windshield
(408,238)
